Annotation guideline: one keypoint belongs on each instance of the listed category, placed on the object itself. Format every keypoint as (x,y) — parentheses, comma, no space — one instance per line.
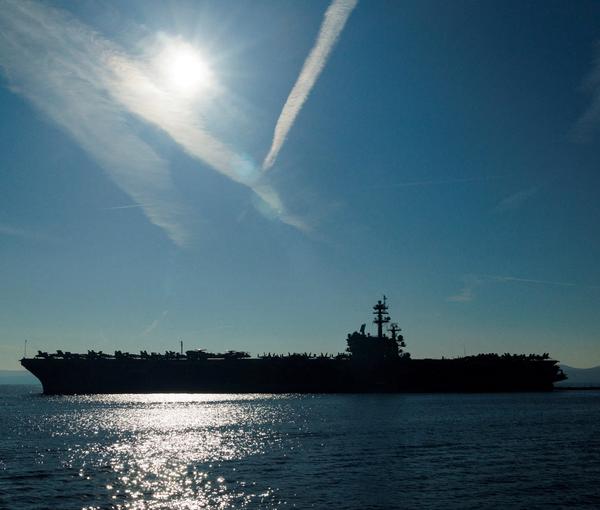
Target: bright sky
(255,175)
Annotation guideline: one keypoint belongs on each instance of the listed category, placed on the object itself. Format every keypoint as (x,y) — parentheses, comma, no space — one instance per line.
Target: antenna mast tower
(380,310)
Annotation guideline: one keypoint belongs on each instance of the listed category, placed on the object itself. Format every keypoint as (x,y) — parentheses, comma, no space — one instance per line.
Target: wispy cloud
(333,23)
(435,182)
(467,292)
(509,279)
(8,230)
(154,324)
(590,118)
(58,65)
(89,86)
(473,281)
(516,200)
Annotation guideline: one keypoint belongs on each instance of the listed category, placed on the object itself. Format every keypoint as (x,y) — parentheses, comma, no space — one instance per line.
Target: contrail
(89,86)
(333,23)
(435,182)
(473,281)
(504,279)
(116,207)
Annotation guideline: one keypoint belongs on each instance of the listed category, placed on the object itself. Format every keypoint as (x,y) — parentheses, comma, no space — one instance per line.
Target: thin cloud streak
(154,324)
(472,282)
(8,230)
(505,279)
(436,182)
(516,200)
(509,279)
(117,207)
(589,119)
(439,181)
(333,23)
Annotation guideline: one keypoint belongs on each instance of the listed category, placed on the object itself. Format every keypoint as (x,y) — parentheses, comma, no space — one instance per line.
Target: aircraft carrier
(371,363)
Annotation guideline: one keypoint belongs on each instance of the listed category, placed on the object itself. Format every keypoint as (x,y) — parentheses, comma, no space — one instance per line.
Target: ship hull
(284,375)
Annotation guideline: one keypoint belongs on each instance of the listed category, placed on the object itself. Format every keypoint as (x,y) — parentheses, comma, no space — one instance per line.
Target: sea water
(532,450)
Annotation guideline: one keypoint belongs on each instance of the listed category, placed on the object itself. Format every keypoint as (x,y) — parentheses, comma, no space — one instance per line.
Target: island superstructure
(370,364)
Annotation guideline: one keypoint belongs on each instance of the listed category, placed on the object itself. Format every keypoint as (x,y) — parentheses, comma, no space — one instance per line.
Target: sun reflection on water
(171,451)
(135,452)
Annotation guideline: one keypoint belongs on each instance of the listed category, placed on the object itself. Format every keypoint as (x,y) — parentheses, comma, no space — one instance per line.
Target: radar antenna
(394,329)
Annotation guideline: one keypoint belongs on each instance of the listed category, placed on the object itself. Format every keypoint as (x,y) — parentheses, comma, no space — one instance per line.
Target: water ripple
(274,451)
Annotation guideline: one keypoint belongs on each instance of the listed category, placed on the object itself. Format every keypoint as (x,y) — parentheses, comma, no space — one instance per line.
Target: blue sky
(445,154)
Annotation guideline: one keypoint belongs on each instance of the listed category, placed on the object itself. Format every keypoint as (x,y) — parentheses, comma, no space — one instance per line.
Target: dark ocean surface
(312,451)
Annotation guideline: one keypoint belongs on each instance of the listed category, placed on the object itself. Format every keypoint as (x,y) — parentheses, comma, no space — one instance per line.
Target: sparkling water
(299,451)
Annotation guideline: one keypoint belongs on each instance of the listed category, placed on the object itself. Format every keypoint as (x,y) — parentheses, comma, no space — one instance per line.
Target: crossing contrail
(333,23)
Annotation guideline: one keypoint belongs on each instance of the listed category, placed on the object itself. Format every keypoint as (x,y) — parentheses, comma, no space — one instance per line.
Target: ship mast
(381,315)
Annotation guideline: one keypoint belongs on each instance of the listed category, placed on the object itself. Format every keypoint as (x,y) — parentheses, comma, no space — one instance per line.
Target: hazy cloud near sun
(89,86)
(58,65)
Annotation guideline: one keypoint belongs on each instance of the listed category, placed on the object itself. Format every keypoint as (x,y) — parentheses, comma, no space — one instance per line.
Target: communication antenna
(181,346)
(25,349)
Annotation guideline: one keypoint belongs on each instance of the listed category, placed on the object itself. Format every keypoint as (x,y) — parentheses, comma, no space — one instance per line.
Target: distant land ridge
(580,376)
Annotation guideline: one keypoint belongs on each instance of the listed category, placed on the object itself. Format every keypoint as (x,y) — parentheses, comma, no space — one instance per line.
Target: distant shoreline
(571,388)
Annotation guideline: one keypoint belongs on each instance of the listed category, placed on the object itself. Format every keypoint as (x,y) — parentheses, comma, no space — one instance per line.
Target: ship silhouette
(370,364)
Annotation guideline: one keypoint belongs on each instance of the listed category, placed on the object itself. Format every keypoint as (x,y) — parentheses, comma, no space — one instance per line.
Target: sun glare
(185,70)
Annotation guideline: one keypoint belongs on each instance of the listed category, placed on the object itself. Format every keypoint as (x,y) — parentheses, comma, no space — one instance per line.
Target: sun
(185,70)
